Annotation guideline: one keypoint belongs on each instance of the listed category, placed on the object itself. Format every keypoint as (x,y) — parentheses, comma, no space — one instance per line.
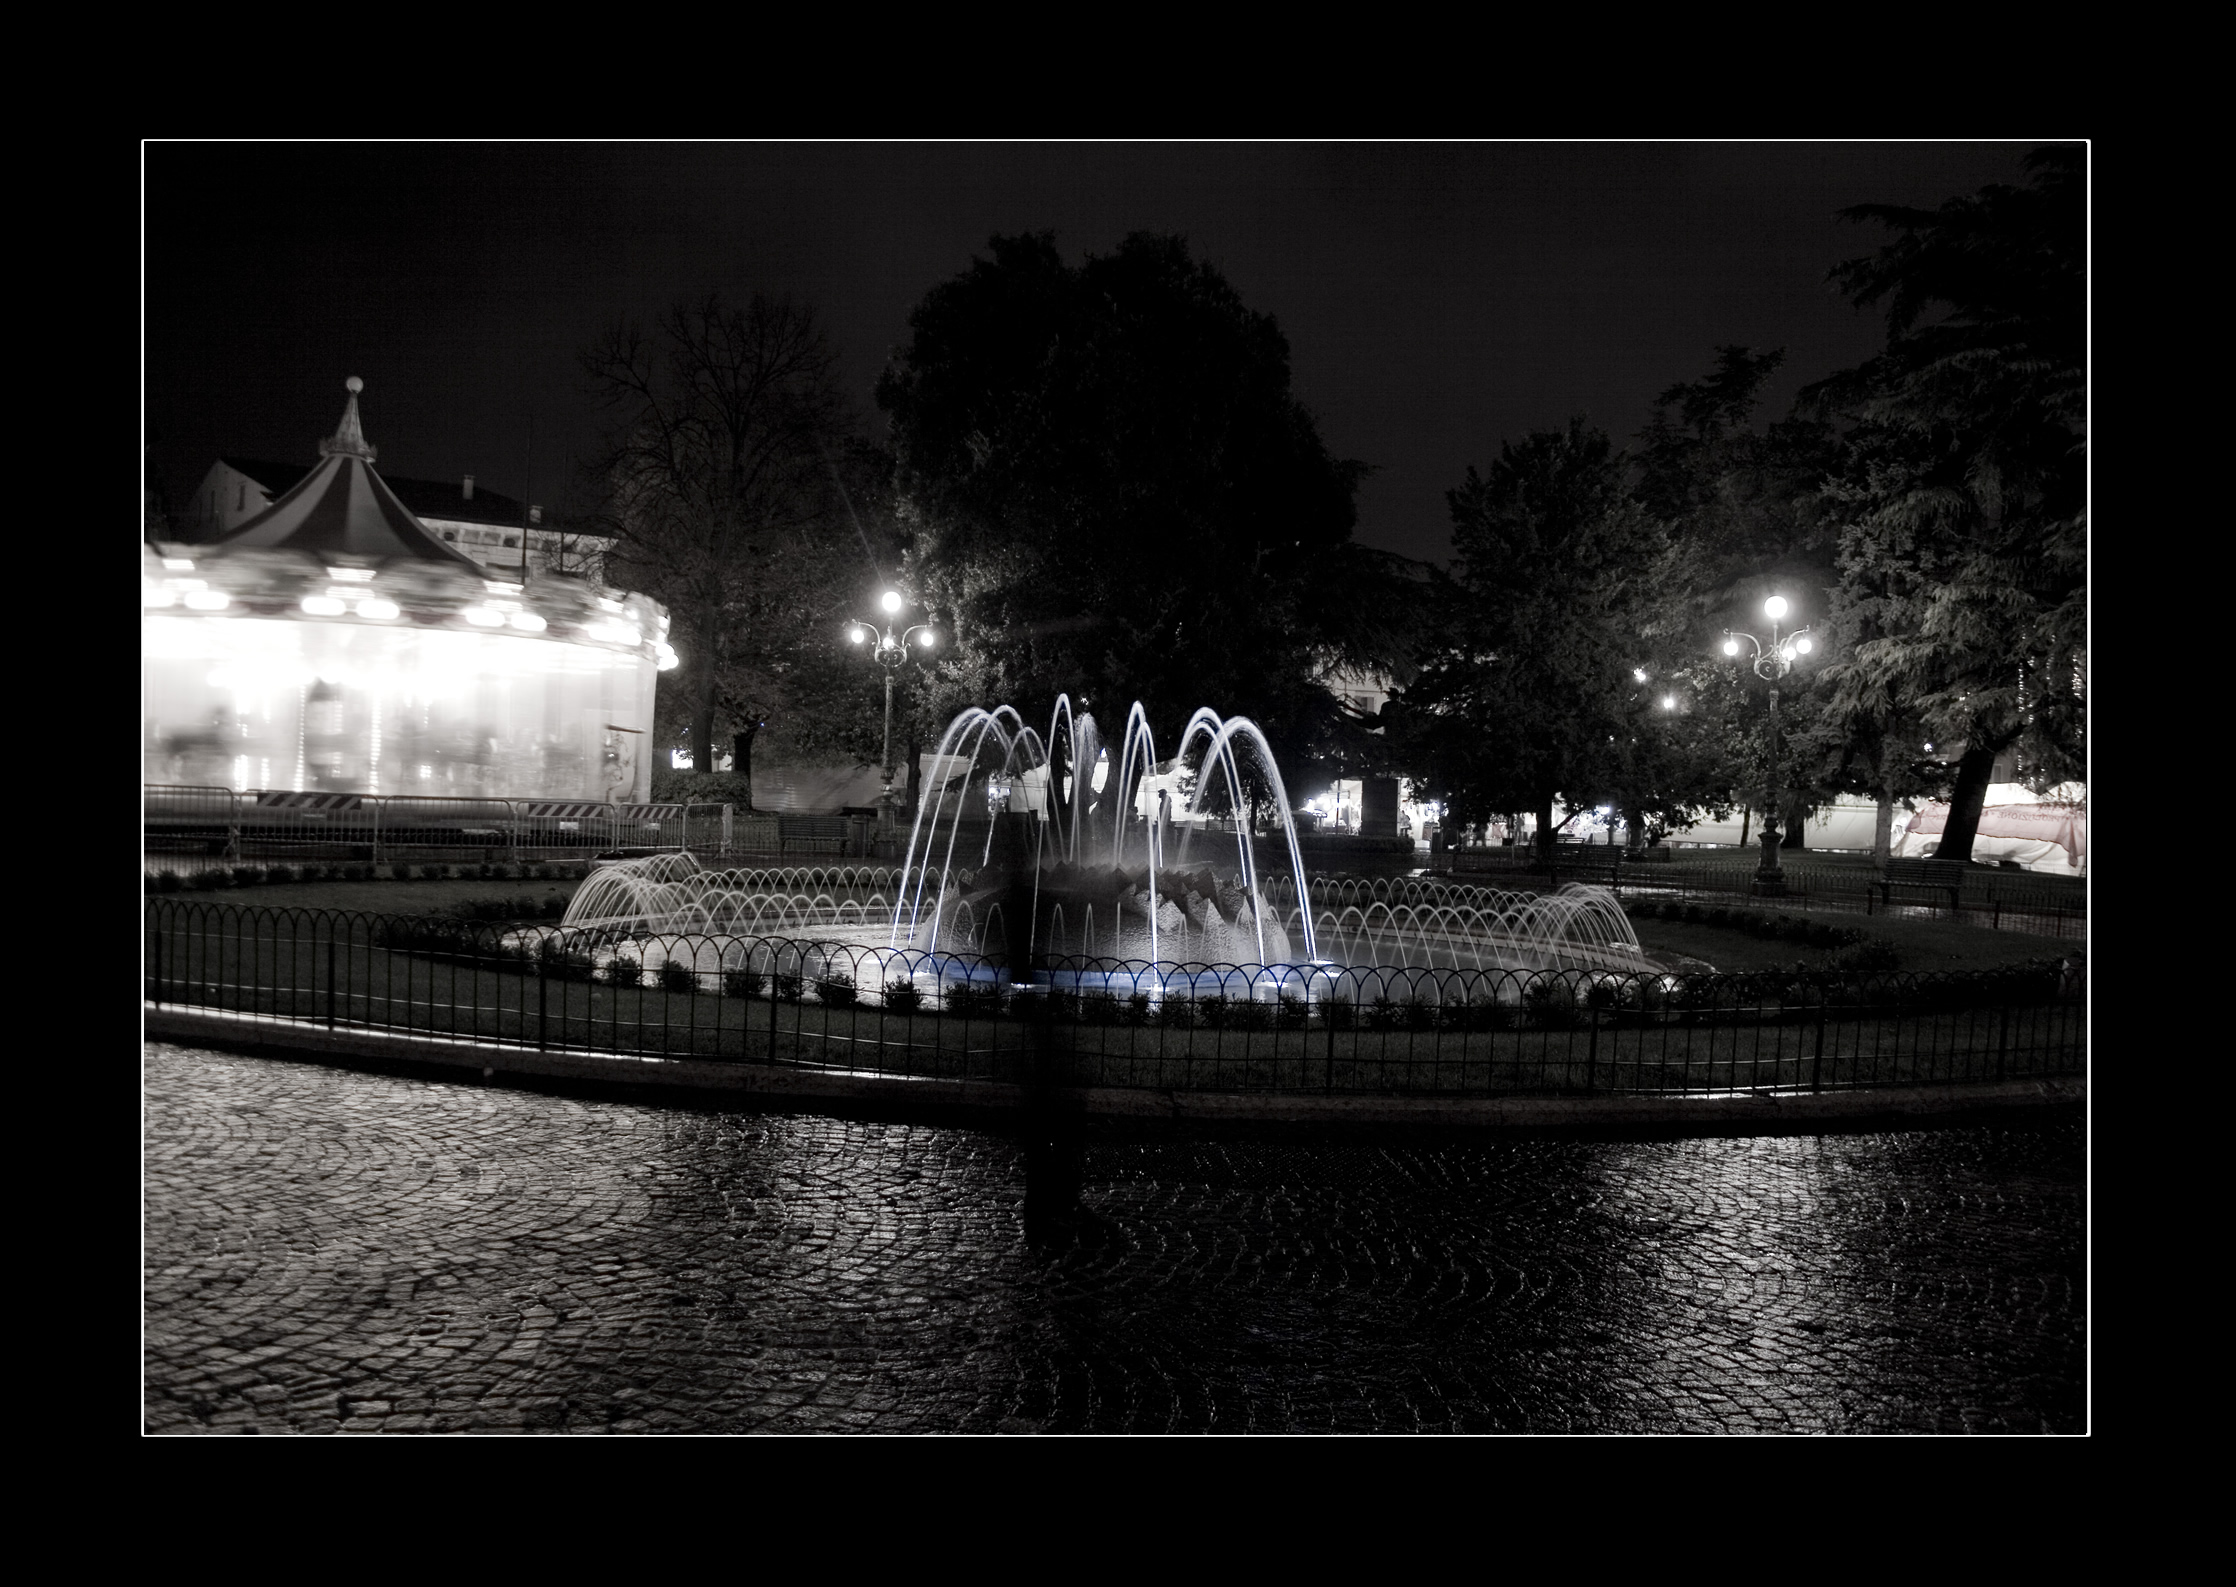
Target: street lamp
(889,650)
(1772,663)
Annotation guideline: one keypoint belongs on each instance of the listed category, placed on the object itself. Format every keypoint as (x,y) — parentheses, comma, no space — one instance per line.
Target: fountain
(1045,859)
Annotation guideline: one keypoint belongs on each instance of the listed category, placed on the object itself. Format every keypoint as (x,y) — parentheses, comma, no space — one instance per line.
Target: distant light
(666,657)
(378,609)
(1639,673)
(527,622)
(1775,607)
(208,600)
(1929,746)
(1731,647)
(479,616)
(1669,702)
(1803,645)
(351,575)
(499,587)
(155,595)
(609,603)
(323,606)
(178,564)
(927,638)
(890,601)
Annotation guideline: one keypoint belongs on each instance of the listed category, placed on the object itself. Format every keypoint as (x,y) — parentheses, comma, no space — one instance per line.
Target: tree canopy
(1963,547)
(1110,489)
(1530,693)
(720,478)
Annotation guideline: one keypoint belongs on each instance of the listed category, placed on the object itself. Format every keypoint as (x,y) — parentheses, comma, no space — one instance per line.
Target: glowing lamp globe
(1775,607)
(890,601)
(1731,647)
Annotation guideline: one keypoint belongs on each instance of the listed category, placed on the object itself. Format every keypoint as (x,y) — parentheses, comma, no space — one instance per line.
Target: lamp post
(890,650)
(1772,663)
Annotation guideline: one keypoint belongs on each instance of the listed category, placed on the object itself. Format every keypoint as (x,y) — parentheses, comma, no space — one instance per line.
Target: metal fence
(190,828)
(2010,901)
(832,1005)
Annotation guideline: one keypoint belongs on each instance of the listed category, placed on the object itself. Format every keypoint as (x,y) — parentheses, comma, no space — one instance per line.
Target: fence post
(330,976)
(155,958)
(773,1001)
(376,804)
(543,999)
(1817,1061)
(1327,1017)
(1995,915)
(2002,1037)
(1591,1053)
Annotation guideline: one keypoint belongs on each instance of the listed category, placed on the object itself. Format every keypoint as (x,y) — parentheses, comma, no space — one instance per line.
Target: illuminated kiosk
(332,645)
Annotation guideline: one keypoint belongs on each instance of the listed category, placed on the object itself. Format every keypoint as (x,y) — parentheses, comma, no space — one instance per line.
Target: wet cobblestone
(338,1252)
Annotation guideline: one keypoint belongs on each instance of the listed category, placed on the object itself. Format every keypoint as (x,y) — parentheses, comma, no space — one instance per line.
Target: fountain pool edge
(994,1103)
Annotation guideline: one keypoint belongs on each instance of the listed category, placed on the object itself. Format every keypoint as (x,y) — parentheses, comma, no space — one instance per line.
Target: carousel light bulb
(323,606)
(378,609)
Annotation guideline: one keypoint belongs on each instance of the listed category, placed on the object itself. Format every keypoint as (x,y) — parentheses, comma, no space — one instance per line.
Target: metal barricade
(451,828)
(706,828)
(185,818)
(308,825)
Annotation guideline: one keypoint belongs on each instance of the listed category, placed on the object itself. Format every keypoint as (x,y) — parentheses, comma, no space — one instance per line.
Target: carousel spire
(349,440)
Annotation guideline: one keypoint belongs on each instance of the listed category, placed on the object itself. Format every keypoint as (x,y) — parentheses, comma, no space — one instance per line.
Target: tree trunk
(1545,834)
(702,718)
(1966,802)
(1746,814)
(1882,830)
(1634,827)
(1797,825)
(741,761)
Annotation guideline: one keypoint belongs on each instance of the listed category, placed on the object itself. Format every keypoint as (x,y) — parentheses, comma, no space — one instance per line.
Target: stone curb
(993,1101)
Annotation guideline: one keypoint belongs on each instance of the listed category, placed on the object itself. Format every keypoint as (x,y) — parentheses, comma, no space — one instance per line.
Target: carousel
(333,645)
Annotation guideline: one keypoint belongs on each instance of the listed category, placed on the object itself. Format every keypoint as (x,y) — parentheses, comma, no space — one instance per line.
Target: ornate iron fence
(838,1005)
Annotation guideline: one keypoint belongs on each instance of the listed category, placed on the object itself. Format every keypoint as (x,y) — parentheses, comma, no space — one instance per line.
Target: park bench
(1934,877)
(817,835)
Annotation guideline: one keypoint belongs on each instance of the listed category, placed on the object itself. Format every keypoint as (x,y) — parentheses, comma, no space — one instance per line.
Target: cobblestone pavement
(338,1252)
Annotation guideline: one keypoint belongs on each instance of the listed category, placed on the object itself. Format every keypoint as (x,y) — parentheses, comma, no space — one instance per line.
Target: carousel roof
(343,506)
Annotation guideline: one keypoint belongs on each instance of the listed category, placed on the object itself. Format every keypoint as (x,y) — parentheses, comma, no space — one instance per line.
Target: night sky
(1437,298)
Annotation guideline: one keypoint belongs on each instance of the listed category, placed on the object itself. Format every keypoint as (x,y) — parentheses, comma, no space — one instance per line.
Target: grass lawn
(1924,944)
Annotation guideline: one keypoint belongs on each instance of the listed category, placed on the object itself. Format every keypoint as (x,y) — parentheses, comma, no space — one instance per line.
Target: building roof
(343,507)
(427,498)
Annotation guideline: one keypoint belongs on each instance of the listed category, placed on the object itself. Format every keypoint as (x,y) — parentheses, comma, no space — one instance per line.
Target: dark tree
(1530,696)
(1745,517)
(717,480)
(1111,490)
(1963,554)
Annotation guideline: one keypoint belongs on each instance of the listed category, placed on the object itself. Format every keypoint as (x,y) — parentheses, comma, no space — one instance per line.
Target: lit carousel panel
(262,703)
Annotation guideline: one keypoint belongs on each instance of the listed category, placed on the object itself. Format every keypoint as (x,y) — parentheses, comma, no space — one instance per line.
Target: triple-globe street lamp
(889,649)
(1772,663)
